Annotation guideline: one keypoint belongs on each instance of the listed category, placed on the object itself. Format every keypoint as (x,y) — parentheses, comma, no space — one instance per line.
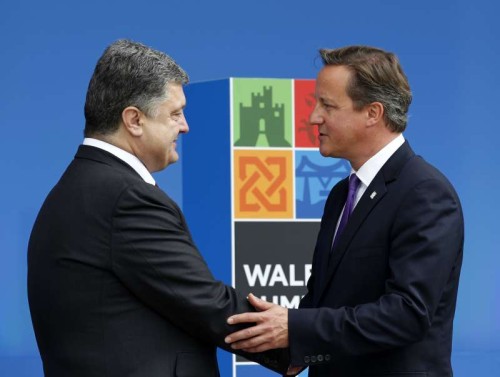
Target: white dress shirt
(123,155)
(370,168)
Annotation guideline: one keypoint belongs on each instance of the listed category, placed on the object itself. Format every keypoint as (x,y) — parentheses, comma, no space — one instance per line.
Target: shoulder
(419,172)
(110,182)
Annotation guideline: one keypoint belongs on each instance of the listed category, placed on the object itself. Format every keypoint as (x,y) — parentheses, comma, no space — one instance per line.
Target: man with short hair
(116,285)
(382,294)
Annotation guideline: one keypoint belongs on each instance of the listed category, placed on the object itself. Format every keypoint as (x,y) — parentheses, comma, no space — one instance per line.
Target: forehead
(175,99)
(332,79)
(174,102)
(175,94)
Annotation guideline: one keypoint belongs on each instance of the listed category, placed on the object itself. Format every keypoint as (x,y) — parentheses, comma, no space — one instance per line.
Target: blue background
(450,51)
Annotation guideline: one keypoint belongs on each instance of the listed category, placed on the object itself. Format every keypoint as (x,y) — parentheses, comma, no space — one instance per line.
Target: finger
(243,335)
(253,344)
(292,371)
(243,318)
(259,304)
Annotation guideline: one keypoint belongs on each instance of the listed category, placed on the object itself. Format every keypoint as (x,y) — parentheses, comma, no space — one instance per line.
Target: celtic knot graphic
(256,174)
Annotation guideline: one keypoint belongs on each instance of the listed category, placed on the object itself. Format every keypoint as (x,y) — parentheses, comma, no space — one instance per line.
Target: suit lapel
(372,196)
(333,209)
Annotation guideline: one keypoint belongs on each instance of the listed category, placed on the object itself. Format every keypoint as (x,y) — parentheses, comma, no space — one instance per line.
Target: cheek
(173,131)
(341,126)
(333,127)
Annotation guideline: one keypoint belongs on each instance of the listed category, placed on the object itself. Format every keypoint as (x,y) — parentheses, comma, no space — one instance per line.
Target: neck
(116,140)
(376,144)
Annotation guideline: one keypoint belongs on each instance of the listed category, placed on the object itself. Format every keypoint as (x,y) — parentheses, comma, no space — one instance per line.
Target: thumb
(259,304)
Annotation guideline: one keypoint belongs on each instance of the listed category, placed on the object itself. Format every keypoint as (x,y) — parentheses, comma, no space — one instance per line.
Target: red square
(306,136)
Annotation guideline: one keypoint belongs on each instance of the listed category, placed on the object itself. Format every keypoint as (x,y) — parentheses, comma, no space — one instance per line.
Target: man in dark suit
(116,286)
(382,294)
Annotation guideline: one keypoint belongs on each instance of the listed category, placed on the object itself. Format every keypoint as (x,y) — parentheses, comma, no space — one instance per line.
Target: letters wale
(271,275)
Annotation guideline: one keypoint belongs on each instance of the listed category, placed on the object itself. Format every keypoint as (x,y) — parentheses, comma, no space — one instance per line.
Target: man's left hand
(270,330)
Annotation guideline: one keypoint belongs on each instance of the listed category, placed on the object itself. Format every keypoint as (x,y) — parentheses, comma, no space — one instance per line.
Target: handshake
(269,332)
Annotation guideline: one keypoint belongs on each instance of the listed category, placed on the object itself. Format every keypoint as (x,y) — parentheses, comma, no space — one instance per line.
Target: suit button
(313,359)
(320,358)
(307,359)
(328,357)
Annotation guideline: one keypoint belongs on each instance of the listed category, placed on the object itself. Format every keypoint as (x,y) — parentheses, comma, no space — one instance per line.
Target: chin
(324,152)
(172,160)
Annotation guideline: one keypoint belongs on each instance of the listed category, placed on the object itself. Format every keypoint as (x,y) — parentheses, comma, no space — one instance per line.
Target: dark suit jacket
(116,285)
(383,305)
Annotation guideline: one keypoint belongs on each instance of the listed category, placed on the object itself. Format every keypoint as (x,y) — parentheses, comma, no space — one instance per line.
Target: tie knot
(353,183)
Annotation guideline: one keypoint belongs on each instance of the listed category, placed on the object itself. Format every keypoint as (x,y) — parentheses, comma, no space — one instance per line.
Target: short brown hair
(128,74)
(377,76)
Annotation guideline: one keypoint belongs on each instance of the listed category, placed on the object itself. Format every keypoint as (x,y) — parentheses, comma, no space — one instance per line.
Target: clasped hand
(269,332)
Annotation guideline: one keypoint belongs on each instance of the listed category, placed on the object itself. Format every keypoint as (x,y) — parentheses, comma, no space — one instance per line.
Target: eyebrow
(179,108)
(328,100)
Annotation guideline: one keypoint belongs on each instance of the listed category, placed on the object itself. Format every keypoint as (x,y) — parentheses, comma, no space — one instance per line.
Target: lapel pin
(373,194)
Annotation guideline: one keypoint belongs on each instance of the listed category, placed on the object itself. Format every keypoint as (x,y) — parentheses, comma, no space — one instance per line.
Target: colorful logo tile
(263,184)
(262,112)
(306,135)
(315,176)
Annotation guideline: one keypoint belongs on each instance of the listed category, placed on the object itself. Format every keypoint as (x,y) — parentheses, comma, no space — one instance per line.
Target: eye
(176,115)
(327,105)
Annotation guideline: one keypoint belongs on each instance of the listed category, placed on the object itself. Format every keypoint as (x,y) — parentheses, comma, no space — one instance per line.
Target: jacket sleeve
(155,257)
(424,256)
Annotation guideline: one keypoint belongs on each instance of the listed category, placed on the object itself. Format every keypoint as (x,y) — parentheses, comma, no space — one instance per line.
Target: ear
(132,119)
(374,113)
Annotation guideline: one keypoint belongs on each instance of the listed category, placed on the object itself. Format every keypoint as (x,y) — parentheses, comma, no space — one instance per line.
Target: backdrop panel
(257,197)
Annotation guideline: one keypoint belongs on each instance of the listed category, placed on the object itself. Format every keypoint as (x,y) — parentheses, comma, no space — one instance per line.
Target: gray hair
(377,76)
(128,74)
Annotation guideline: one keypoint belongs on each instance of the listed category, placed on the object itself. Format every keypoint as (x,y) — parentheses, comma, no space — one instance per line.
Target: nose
(184,128)
(315,118)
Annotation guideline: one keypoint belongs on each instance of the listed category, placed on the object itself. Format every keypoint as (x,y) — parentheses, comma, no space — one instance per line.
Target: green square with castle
(262,112)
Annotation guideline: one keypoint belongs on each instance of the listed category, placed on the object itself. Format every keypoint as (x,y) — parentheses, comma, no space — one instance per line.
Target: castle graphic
(262,123)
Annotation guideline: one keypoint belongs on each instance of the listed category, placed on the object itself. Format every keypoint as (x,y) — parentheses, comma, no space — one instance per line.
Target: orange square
(263,184)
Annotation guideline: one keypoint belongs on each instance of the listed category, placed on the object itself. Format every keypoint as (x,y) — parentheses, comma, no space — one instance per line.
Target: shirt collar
(123,155)
(370,168)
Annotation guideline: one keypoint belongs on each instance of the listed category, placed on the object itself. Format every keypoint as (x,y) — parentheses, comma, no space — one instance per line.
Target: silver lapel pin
(373,194)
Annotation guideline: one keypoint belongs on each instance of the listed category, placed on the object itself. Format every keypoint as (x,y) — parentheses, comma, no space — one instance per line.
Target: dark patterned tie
(349,206)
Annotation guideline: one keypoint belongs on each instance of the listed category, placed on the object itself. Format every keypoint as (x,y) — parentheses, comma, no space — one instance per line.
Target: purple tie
(349,206)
